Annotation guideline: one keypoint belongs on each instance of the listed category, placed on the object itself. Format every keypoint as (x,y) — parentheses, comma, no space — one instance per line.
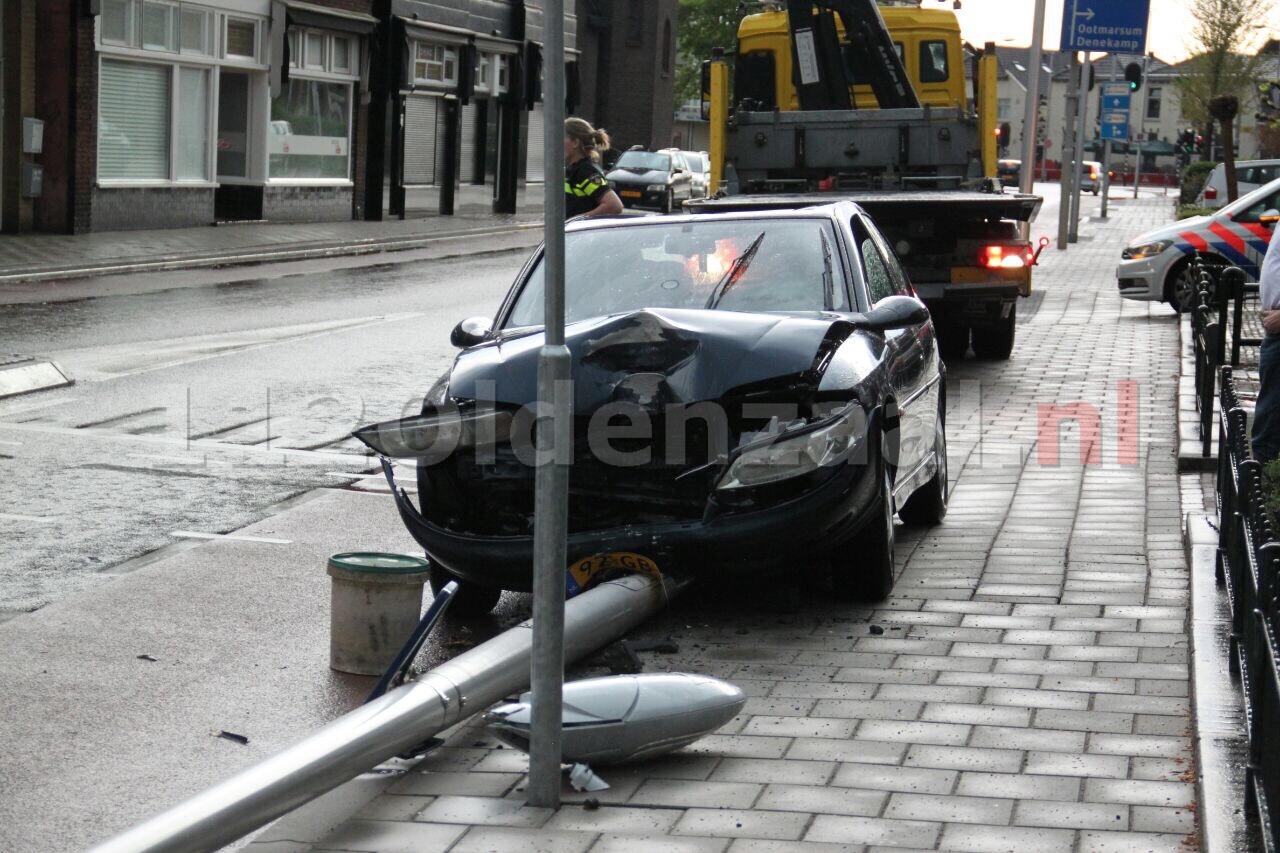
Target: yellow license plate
(630,193)
(584,571)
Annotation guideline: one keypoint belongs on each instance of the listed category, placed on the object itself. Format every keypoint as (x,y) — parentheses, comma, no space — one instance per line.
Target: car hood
(657,357)
(1172,230)
(625,176)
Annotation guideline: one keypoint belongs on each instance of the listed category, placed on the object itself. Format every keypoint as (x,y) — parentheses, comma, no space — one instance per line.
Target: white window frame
(134,42)
(328,75)
(501,74)
(209,179)
(448,54)
(486,63)
(175,21)
(353,55)
(210,32)
(224,23)
(311,63)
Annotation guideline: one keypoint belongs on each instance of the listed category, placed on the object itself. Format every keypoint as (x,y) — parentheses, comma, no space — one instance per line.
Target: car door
(682,179)
(905,360)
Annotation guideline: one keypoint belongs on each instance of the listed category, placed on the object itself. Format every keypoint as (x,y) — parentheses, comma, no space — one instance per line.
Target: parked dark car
(657,180)
(788,374)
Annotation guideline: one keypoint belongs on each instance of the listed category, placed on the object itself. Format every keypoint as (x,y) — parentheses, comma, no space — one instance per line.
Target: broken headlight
(798,451)
(438,432)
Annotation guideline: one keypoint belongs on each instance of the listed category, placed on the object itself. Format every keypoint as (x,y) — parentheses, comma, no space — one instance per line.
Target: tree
(704,24)
(1219,33)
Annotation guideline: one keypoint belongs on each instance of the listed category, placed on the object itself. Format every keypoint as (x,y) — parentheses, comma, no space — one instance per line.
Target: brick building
(171,113)
(627,68)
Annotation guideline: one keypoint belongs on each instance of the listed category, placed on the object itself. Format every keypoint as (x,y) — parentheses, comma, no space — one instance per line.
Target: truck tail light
(1210,193)
(1007,257)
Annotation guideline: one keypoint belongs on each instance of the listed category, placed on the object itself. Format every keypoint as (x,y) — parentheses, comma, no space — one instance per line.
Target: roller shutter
(470,136)
(534,168)
(422,130)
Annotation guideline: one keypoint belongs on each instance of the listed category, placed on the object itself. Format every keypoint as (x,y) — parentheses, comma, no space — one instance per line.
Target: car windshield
(644,161)
(681,265)
(695,162)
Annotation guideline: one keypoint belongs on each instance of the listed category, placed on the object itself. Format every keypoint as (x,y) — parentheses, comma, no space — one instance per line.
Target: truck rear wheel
(996,342)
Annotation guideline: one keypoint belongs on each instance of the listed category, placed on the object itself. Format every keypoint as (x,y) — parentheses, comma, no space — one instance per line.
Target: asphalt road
(196,408)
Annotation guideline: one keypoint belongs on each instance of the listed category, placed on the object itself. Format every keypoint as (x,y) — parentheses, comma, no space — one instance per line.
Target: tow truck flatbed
(1017,207)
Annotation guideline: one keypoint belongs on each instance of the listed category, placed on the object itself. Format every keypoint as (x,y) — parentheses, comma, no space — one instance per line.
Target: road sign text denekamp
(1113,26)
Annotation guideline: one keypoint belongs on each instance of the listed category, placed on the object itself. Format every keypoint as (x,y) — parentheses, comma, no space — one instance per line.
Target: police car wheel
(1180,289)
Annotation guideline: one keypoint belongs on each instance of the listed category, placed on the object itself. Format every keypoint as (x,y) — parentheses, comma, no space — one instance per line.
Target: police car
(1156,266)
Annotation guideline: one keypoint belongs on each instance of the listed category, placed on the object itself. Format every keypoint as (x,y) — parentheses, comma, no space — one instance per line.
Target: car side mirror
(1270,218)
(895,312)
(471,331)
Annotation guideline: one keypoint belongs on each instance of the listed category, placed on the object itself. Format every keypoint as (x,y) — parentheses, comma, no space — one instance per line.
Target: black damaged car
(757,390)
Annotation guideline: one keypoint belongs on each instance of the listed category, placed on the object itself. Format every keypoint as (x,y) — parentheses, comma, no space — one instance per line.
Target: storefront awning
(310,15)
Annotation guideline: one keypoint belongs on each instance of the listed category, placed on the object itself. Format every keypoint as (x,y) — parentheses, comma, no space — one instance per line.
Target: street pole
(1142,122)
(1106,147)
(1031,114)
(1067,178)
(551,484)
(1082,115)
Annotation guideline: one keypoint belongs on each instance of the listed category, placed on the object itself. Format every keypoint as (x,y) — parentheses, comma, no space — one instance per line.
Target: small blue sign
(1115,97)
(1118,130)
(1113,26)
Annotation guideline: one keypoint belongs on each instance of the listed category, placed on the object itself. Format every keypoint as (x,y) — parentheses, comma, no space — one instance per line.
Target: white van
(1250,174)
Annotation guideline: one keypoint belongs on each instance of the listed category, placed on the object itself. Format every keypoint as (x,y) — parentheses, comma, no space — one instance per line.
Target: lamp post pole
(551,484)
(1031,114)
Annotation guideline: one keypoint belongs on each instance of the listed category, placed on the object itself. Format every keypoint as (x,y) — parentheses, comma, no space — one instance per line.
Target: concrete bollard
(376,602)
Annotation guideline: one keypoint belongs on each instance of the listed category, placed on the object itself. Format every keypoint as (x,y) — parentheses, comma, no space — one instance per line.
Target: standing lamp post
(1031,115)
(554,435)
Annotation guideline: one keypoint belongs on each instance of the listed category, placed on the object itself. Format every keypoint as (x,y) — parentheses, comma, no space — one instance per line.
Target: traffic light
(1006,130)
(1133,74)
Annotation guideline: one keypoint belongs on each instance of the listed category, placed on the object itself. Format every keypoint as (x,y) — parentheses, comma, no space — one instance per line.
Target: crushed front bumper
(721,543)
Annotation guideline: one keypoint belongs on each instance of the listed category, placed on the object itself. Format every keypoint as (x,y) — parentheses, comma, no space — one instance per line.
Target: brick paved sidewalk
(1025,690)
(44,256)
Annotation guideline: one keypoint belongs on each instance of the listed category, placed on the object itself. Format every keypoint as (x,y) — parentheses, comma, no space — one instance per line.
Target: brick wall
(55,105)
(306,204)
(85,125)
(158,207)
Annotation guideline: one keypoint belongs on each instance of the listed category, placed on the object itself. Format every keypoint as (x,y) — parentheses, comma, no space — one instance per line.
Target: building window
(133,121)
(1153,103)
(241,39)
(1002,108)
(118,22)
(310,131)
(502,74)
(159,26)
(315,47)
(484,71)
(342,55)
(196,32)
(435,63)
(191,154)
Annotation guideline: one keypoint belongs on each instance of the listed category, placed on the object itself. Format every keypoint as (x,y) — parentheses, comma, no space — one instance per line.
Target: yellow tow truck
(848,99)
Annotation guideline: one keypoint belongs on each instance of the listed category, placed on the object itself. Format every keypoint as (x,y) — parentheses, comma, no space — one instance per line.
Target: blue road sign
(1114,26)
(1115,130)
(1115,97)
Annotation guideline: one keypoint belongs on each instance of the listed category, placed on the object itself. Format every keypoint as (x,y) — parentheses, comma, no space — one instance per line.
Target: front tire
(862,568)
(996,343)
(953,340)
(471,599)
(1181,289)
(927,506)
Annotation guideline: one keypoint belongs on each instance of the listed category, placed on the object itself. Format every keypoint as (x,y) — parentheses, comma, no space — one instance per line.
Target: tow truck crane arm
(819,67)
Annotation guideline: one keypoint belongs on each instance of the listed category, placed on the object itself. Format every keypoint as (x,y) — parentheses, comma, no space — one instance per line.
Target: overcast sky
(1008,22)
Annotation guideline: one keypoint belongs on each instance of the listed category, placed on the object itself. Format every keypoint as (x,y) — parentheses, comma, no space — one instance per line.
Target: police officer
(586,192)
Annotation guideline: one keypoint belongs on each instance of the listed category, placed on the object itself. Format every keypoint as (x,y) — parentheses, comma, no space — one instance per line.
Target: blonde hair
(593,139)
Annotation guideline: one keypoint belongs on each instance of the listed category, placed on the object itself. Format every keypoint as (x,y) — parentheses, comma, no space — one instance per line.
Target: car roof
(828,211)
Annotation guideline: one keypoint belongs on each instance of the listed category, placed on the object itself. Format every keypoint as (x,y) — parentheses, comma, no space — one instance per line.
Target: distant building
(628,62)
(125,114)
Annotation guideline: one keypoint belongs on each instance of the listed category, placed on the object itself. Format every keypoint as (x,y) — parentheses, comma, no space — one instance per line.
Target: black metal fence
(1218,314)
(1249,568)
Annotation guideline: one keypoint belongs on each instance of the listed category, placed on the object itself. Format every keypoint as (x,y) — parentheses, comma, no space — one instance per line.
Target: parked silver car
(1250,174)
(700,168)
